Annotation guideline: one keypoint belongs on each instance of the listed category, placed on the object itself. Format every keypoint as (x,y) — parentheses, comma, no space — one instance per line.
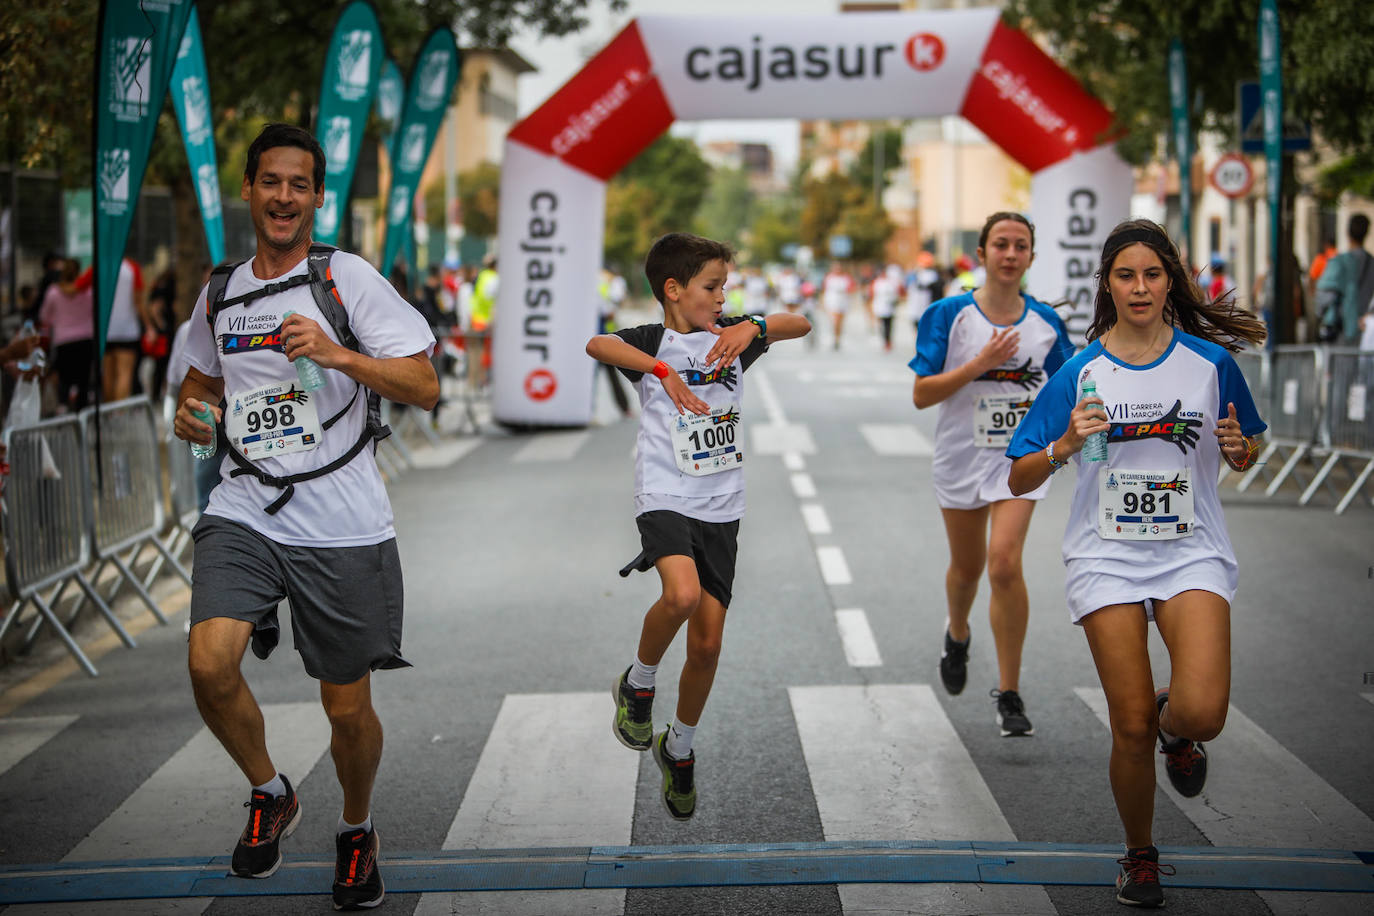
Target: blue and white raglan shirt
(970,471)
(1163,419)
(659,482)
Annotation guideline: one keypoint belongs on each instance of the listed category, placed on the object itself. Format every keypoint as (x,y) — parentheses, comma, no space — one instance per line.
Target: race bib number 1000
(707,443)
(996,416)
(1144,505)
(273,420)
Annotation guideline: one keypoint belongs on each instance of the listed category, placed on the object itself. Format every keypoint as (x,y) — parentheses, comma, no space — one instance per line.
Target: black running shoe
(357,879)
(679,786)
(954,664)
(1011,713)
(634,709)
(271,818)
(1138,883)
(1185,760)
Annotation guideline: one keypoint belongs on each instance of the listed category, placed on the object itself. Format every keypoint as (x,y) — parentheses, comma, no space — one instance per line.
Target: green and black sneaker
(634,709)
(679,787)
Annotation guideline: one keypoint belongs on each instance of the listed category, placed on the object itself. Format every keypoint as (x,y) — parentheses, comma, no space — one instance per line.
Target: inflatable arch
(843,67)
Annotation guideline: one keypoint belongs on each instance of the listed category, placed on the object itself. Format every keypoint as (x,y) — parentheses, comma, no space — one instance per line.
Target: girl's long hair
(1220,321)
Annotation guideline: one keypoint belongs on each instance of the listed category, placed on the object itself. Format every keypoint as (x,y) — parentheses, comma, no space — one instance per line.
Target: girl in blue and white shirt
(1146,539)
(983,357)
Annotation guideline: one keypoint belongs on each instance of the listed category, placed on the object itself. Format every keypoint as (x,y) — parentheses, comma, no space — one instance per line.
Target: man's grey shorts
(346,602)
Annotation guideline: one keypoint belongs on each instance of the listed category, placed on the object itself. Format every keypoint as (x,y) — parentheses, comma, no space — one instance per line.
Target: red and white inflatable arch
(877,65)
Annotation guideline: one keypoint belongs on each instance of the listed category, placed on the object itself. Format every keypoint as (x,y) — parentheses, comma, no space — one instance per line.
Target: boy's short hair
(1358,228)
(274,135)
(681,255)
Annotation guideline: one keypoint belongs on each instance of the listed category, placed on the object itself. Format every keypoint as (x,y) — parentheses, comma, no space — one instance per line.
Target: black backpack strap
(214,291)
(288,484)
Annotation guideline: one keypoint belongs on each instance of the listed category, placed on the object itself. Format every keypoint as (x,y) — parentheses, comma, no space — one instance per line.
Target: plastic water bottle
(37,358)
(1095,446)
(206,416)
(308,372)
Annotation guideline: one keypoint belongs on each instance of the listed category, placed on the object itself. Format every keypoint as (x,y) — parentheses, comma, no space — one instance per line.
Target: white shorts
(979,486)
(1087,589)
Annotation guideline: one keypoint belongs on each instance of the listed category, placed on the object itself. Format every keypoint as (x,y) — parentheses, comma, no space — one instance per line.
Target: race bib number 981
(1144,505)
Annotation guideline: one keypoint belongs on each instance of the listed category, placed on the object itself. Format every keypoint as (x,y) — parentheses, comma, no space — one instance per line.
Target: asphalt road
(517,624)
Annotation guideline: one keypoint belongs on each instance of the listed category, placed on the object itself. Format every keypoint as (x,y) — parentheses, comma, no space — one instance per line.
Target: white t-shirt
(789,288)
(885,292)
(953,332)
(348,507)
(1163,417)
(125,326)
(835,291)
(659,484)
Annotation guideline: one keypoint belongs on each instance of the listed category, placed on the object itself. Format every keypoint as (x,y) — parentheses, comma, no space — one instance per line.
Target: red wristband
(661,369)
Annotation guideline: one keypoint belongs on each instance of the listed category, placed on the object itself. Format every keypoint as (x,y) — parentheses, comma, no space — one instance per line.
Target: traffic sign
(1297,134)
(1232,175)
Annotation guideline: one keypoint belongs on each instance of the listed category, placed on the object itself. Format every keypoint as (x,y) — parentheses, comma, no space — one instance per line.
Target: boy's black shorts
(712,545)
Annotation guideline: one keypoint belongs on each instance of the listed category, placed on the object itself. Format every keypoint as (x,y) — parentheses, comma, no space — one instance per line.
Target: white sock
(641,675)
(346,827)
(1163,735)
(679,741)
(273,786)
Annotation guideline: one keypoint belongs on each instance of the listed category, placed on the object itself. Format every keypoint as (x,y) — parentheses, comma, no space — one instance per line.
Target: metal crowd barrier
(1347,430)
(1316,401)
(126,493)
(185,503)
(46,521)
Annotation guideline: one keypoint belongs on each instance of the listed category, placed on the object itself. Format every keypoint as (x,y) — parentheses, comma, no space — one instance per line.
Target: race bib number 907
(996,416)
(1144,505)
(707,443)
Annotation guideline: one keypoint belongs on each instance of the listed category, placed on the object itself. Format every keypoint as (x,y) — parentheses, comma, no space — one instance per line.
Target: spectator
(69,315)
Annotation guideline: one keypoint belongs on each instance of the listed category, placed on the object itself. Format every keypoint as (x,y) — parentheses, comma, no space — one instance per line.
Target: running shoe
(1011,713)
(634,709)
(271,818)
(679,787)
(357,879)
(1138,883)
(1185,760)
(954,664)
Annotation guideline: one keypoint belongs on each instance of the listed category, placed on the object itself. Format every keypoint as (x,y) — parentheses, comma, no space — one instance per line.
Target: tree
(725,210)
(1119,50)
(659,191)
(837,205)
(479,194)
(884,146)
(775,226)
(263,61)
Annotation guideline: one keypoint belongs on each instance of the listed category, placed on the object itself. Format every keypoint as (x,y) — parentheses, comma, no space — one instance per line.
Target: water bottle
(206,416)
(1095,446)
(308,373)
(37,358)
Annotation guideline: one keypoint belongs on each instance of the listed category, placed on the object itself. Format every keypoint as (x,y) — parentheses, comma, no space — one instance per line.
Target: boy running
(689,484)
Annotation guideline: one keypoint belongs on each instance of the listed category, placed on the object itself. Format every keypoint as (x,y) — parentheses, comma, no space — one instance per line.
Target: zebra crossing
(883,761)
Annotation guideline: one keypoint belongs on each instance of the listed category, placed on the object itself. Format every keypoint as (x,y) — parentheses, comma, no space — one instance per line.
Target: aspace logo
(234,344)
(1175,425)
(761,63)
(1024,375)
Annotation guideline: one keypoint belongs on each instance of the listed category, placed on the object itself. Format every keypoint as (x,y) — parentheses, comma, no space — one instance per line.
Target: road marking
(559,446)
(1368,696)
(1259,794)
(782,438)
(193,805)
(817,522)
(885,761)
(528,791)
(803,486)
(896,439)
(21,737)
(771,405)
(793,461)
(860,648)
(834,569)
(445,453)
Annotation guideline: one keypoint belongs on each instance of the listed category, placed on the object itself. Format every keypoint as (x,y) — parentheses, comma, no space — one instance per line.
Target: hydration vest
(327,299)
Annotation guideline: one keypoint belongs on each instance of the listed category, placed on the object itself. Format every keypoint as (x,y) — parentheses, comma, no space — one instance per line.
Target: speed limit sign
(1232,175)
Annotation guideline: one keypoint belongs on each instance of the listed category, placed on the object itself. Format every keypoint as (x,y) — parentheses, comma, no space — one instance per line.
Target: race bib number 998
(1144,505)
(276,419)
(707,443)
